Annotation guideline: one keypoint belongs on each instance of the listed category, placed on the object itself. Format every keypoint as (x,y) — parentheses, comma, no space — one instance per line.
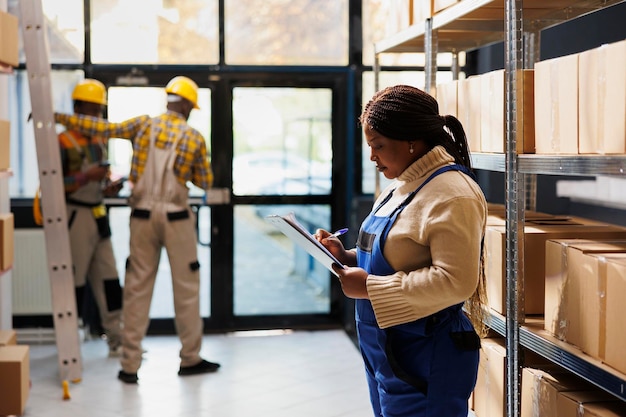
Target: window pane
(286,32)
(288,280)
(282,141)
(155,31)
(127,102)
(25,179)
(65,30)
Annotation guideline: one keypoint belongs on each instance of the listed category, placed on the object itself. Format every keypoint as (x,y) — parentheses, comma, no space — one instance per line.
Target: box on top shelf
(439,5)
(8,39)
(536,233)
(556,106)
(575,291)
(399,17)
(5,145)
(422,10)
(602,100)
(447,97)
(468,110)
(493,110)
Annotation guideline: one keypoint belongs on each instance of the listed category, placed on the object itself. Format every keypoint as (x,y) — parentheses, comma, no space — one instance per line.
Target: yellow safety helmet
(90,90)
(184,87)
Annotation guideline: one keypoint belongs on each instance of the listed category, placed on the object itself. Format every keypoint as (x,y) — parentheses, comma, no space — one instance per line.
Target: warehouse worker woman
(167,153)
(418,260)
(86,182)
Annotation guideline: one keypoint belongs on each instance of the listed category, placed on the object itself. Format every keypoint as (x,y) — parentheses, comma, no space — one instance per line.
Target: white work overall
(92,254)
(161,217)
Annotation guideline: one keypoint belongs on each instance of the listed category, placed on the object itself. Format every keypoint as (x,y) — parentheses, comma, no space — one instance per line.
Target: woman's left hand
(353,281)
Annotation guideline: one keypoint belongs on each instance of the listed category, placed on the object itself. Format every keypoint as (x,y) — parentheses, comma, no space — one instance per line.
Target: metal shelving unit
(555,164)
(470,24)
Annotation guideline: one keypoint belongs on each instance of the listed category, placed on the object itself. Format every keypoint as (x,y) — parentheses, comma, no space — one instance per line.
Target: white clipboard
(300,236)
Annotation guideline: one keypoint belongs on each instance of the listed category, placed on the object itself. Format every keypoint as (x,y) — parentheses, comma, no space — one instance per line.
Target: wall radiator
(30,283)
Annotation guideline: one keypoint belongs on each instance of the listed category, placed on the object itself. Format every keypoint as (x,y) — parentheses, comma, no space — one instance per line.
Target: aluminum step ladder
(52,194)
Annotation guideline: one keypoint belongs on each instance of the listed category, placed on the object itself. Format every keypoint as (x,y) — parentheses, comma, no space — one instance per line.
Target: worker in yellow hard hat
(86,181)
(167,153)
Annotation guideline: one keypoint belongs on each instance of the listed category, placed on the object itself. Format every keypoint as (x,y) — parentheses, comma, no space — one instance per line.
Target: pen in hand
(339,232)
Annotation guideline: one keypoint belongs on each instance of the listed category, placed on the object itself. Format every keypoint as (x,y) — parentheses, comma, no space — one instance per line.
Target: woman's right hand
(332,243)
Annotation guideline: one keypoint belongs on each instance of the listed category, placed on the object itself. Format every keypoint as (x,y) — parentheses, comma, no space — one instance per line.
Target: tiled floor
(277,374)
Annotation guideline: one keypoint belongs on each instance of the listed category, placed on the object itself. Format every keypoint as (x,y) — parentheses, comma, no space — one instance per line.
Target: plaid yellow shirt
(192,159)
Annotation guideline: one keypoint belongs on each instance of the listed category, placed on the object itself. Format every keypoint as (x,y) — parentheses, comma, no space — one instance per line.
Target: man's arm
(95,126)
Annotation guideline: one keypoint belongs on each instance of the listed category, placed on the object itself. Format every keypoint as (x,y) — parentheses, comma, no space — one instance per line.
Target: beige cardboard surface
(5,145)
(572,297)
(14,379)
(556,105)
(9,39)
(6,240)
(468,107)
(447,97)
(489,394)
(8,337)
(541,387)
(535,236)
(574,403)
(615,343)
(602,100)
(493,106)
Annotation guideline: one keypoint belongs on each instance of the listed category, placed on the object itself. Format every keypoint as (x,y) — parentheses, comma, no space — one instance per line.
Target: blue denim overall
(424,368)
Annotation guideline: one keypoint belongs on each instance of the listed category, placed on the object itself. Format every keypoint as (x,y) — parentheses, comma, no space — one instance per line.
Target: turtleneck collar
(435,158)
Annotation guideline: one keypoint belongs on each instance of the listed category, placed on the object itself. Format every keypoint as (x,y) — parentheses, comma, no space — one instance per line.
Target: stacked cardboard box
(581,101)
(548,391)
(14,374)
(536,233)
(585,284)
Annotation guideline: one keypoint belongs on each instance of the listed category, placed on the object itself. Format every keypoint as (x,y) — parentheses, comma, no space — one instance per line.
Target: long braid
(409,114)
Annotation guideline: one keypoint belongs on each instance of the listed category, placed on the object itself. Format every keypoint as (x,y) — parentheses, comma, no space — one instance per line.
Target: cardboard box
(602,100)
(497,215)
(439,5)
(6,241)
(536,233)
(422,10)
(8,39)
(493,110)
(5,145)
(594,403)
(14,379)
(575,291)
(447,97)
(489,393)
(556,105)
(8,337)
(468,108)
(541,389)
(615,342)
(399,16)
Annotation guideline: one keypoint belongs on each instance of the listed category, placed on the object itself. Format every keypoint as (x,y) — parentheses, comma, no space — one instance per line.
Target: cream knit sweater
(434,245)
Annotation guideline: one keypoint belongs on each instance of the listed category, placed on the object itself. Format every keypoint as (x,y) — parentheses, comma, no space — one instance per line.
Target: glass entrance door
(282,157)
(278,160)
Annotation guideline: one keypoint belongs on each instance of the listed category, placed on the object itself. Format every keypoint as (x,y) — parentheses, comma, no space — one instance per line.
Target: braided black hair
(407,113)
